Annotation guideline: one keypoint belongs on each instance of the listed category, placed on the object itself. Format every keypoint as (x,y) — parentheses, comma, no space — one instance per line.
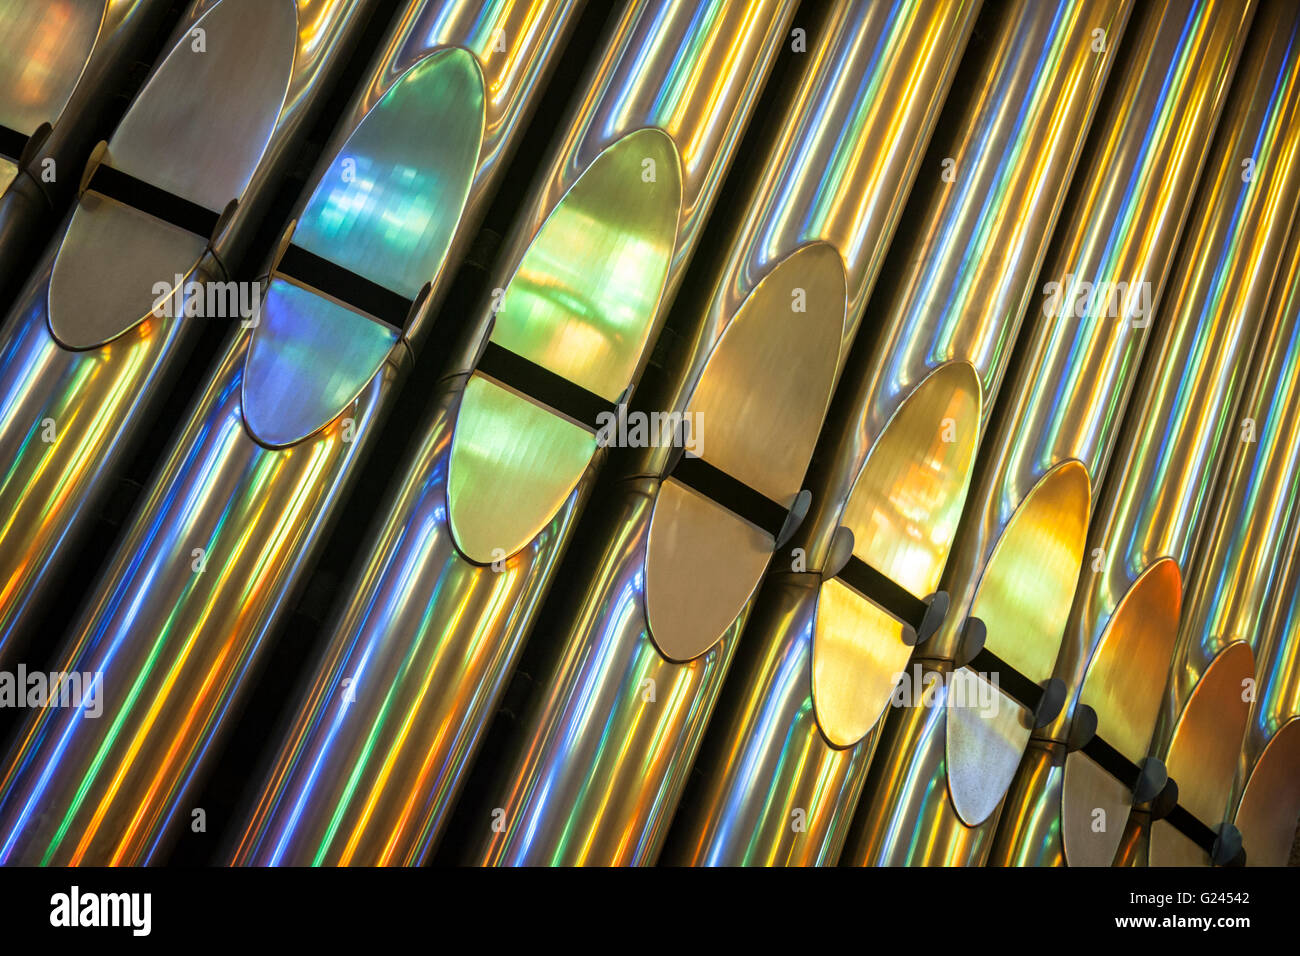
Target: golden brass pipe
(1233,615)
(796,726)
(1265,800)
(1016,558)
(1158,496)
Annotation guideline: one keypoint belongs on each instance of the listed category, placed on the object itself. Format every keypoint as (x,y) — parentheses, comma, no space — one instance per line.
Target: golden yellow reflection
(858,652)
(907,500)
(1025,593)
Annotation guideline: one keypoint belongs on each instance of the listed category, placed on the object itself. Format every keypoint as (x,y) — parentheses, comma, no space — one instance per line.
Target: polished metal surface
(1076,374)
(582,300)
(1130,660)
(903,512)
(1158,495)
(427,637)
(581,303)
(308,360)
(1270,805)
(46,47)
(949,322)
(706,432)
(232,525)
(1242,568)
(1202,752)
(172,635)
(386,209)
(703,562)
(775,793)
(505,440)
(104,279)
(1035,561)
(415,152)
(912,828)
(1063,397)
(1266,794)
(237,79)
(102,400)
(1184,424)
(158,143)
(764,356)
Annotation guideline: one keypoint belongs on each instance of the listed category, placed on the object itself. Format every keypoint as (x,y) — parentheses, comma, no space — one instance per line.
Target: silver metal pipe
(601,761)
(816,669)
(436,612)
(250,485)
(91,349)
(1158,496)
(61,68)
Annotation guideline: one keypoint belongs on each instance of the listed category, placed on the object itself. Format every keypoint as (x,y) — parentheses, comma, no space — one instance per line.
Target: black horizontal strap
(1192,828)
(732,493)
(1028,694)
(1112,761)
(345,285)
(884,591)
(1128,773)
(159,203)
(12,143)
(542,385)
(1024,691)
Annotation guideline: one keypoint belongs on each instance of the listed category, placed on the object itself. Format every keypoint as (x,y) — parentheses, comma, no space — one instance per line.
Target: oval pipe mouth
(1023,599)
(1122,685)
(389,204)
(1270,804)
(903,513)
(580,309)
(237,83)
(376,229)
(26,35)
(754,415)
(1203,752)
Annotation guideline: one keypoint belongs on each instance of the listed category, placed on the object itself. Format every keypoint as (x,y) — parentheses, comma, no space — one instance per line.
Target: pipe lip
(569,297)
(311,355)
(1270,803)
(1203,751)
(764,386)
(1023,599)
(113,258)
(859,649)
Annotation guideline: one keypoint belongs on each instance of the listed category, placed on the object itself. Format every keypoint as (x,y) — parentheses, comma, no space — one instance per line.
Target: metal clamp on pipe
(15,145)
(521,374)
(144,196)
